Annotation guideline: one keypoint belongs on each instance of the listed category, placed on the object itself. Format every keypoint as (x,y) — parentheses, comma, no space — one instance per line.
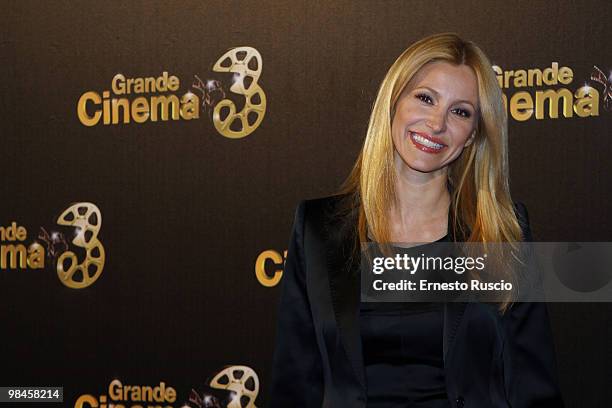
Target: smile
(426,143)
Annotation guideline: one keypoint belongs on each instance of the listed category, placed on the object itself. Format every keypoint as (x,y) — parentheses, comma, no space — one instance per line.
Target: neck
(420,197)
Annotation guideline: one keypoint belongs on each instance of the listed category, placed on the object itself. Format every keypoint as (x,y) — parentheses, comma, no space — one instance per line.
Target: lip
(424,148)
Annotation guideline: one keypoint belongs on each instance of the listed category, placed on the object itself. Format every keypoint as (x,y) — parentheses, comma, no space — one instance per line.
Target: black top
(402,351)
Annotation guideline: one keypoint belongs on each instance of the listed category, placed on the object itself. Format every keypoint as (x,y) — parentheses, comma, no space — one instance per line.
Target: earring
(470,139)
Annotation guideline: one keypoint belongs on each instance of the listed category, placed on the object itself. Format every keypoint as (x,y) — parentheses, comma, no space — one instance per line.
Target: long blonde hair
(481,207)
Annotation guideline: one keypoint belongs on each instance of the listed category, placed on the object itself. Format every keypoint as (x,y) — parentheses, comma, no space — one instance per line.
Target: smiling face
(435,117)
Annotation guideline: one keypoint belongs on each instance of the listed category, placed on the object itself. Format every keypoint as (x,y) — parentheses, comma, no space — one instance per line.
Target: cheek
(411,112)
(397,128)
(404,116)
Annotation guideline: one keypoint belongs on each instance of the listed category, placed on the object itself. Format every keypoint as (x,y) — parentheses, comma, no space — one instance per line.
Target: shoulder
(324,210)
(328,218)
(328,203)
(522,216)
(520,209)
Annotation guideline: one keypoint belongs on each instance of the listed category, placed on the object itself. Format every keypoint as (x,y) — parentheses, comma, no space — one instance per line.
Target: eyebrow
(438,94)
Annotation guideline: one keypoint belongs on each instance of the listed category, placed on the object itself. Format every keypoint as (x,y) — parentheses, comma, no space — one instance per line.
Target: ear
(470,139)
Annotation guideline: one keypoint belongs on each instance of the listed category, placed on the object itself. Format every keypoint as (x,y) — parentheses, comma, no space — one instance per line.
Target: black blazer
(489,360)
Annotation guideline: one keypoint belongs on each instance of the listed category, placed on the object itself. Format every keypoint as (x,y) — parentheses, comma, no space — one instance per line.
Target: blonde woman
(433,167)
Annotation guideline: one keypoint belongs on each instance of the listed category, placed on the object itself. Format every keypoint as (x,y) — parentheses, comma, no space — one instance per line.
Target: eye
(424,98)
(462,112)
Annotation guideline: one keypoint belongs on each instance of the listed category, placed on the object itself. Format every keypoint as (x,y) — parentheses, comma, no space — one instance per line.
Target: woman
(433,167)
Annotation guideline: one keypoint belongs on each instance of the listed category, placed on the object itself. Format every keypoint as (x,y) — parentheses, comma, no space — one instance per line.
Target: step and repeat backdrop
(153,153)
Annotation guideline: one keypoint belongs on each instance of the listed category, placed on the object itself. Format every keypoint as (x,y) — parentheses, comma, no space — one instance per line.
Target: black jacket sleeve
(297,374)
(529,353)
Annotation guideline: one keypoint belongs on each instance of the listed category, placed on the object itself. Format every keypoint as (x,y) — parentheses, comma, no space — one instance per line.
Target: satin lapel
(344,281)
(453,311)
(328,248)
(345,291)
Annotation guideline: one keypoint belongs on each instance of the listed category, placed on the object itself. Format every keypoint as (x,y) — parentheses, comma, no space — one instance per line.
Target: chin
(420,164)
(423,168)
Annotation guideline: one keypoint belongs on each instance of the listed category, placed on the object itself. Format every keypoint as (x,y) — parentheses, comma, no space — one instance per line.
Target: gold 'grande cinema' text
(523,105)
(93,108)
(13,251)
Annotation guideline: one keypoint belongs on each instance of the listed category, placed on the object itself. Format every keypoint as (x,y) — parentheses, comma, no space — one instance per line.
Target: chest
(418,230)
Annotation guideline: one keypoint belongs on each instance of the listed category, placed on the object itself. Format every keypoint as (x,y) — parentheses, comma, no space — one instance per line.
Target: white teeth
(426,142)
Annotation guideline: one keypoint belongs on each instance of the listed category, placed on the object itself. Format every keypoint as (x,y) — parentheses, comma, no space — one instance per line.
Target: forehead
(453,82)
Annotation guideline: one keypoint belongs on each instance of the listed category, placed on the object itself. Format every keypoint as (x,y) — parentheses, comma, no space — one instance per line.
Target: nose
(437,121)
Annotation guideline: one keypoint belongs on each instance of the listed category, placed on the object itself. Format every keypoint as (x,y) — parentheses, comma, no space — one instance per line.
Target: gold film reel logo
(246,64)
(242,381)
(86,217)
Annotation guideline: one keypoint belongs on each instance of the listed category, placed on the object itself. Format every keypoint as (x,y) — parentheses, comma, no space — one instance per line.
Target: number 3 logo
(246,64)
(86,217)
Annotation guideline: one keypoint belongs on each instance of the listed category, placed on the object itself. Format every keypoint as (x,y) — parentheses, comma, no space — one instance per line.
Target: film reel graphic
(241,380)
(246,64)
(86,217)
